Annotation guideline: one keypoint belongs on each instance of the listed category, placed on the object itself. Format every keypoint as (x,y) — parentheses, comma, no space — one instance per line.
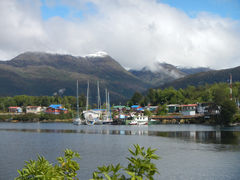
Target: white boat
(92,117)
(77,120)
(139,120)
(108,117)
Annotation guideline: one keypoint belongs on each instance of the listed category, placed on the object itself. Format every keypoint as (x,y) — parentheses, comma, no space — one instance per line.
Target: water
(186,151)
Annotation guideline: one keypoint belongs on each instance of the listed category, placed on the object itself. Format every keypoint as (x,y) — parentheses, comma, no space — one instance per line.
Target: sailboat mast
(109,113)
(106,101)
(98,97)
(87,96)
(77,102)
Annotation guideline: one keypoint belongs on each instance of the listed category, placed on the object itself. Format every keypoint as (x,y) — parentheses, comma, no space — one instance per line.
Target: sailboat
(108,119)
(89,115)
(92,117)
(77,120)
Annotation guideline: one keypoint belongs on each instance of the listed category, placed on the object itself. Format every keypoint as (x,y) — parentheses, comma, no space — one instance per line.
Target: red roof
(13,107)
(189,105)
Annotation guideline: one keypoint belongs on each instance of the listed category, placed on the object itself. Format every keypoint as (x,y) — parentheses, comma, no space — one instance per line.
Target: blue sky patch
(223,8)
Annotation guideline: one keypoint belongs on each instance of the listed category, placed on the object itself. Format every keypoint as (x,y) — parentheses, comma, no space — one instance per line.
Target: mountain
(193,70)
(38,73)
(209,77)
(159,74)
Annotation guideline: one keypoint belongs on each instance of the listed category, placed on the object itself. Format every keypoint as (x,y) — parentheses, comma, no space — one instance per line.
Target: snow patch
(97,54)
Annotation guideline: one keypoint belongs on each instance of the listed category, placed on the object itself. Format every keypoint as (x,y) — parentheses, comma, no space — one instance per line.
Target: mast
(77,102)
(87,96)
(106,100)
(230,84)
(98,98)
(109,107)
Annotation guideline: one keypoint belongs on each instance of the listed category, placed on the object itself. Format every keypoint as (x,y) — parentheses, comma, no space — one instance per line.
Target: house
(173,108)
(120,108)
(208,109)
(189,109)
(136,108)
(55,109)
(151,108)
(34,109)
(15,109)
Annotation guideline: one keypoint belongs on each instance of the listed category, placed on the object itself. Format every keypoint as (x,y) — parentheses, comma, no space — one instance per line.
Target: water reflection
(216,137)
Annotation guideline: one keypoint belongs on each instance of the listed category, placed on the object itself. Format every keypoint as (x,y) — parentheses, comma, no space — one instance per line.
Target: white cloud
(134,32)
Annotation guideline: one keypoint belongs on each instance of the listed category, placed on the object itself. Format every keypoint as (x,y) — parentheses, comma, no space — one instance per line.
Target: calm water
(187,151)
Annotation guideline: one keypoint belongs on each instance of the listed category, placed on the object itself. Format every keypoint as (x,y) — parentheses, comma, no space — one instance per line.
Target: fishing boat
(139,120)
(77,120)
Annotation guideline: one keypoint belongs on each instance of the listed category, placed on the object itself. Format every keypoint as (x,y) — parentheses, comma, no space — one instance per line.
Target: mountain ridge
(34,73)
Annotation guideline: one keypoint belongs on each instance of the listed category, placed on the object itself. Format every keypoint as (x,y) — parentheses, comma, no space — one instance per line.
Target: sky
(136,33)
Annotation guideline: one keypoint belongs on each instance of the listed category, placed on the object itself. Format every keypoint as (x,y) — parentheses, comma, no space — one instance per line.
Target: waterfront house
(173,108)
(15,109)
(151,108)
(189,109)
(208,109)
(55,109)
(136,108)
(34,109)
(120,108)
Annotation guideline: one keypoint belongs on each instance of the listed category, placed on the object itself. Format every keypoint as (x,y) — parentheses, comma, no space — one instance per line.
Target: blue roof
(99,109)
(134,106)
(55,106)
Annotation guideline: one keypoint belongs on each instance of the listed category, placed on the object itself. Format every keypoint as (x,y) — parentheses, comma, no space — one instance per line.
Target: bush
(140,167)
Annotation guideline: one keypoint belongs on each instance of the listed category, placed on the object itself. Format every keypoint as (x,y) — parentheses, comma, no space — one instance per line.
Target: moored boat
(139,120)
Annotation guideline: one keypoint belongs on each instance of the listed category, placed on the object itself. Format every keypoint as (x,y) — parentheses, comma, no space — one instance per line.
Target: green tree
(162,110)
(147,113)
(228,109)
(137,97)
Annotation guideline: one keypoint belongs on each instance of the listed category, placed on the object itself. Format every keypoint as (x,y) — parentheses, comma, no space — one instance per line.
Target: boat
(108,117)
(92,117)
(77,120)
(139,120)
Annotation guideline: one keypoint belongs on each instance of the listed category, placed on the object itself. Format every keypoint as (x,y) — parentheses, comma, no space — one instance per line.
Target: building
(189,109)
(120,108)
(173,108)
(151,108)
(34,109)
(15,109)
(136,108)
(208,109)
(55,109)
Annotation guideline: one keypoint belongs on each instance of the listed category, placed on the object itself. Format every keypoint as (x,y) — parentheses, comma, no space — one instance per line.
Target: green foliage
(215,93)
(228,109)
(147,113)
(162,110)
(23,100)
(137,97)
(41,169)
(237,118)
(140,167)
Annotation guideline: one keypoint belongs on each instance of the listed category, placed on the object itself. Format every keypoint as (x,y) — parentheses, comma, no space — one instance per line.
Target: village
(172,113)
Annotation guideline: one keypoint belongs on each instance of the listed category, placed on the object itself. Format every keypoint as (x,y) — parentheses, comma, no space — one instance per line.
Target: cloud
(134,32)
